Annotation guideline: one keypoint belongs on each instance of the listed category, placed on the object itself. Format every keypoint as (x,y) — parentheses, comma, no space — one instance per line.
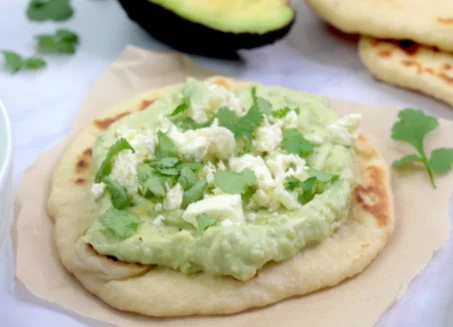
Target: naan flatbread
(159,291)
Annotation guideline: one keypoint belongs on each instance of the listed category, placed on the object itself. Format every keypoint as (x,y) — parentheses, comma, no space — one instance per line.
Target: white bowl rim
(5,169)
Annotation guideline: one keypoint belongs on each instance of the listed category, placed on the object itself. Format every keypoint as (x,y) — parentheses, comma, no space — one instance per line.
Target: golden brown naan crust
(159,291)
(410,65)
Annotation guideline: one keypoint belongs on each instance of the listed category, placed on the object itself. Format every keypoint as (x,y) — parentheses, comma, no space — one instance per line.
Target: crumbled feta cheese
(220,207)
(208,172)
(251,217)
(196,144)
(98,189)
(158,207)
(124,170)
(287,199)
(164,123)
(284,165)
(143,142)
(267,138)
(158,220)
(216,96)
(345,130)
(316,139)
(256,164)
(290,120)
(173,198)
(228,222)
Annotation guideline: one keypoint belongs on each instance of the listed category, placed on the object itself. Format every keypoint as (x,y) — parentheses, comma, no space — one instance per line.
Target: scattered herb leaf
(166,166)
(150,181)
(187,178)
(107,165)
(235,183)
(280,113)
(62,41)
(122,223)
(240,126)
(194,193)
(311,186)
(56,10)
(165,147)
(294,142)
(118,194)
(14,62)
(182,107)
(204,222)
(412,127)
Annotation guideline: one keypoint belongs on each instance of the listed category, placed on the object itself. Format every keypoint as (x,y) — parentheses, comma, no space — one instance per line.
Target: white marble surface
(42,105)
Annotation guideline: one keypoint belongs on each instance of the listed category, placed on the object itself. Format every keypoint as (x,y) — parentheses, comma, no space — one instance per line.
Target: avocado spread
(222,180)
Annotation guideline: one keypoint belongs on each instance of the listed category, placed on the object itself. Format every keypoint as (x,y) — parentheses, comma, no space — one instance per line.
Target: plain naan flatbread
(428,22)
(159,291)
(410,65)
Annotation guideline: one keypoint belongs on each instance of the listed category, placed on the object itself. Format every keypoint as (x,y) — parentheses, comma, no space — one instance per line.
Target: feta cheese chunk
(267,138)
(255,163)
(98,189)
(124,170)
(196,144)
(284,165)
(345,130)
(220,207)
(158,221)
(143,142)
(173,198)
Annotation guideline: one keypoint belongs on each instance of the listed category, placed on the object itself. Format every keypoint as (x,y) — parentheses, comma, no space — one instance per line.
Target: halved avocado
(212,27)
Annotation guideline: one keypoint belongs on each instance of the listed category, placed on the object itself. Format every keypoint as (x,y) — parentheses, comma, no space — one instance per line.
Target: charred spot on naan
(80,181)
(445,20)
(83,161)
(114,261)
(146,103)
(104,123)
(373,195)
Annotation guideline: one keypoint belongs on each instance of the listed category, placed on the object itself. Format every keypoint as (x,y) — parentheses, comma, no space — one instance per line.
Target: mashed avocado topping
(222,180)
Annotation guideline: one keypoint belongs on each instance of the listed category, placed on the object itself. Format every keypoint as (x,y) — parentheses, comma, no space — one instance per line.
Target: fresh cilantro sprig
(262,104)
(62,41)
(204,222)
(311,186)
(194,193)
(122,223)
(14,62)
(235,183)
(56,10)
(280,113)
(294,142)
(412,127)
(119,196)
(182,107)
(165,146)
(107,165)
(243,126)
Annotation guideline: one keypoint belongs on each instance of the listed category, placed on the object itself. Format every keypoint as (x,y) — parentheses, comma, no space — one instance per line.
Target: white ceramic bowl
(6,158)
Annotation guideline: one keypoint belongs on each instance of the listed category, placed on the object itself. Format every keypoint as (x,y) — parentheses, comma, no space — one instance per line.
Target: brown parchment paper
(422,223)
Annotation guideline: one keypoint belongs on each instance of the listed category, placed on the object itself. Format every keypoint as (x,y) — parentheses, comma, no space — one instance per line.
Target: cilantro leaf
(262,104)
(63,41)
(441,160)
(192,165)
(34,63)
(194,193)
(407,159)
(122,223)
(182,107)
(56,10)
(189,123)
(14,62)
(294,142)
(165,166)
(187,178)
(236,183)
(150,181)
(280,113)
(240,126)
(204,222)
(107,165)
(412,127)
(118,194)
(165,147)
(311,186)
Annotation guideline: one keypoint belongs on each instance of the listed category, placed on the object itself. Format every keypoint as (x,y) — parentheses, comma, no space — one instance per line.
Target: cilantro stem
(428,168)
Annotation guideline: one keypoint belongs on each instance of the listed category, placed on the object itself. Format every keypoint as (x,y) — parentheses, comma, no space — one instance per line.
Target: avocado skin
(191,37)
